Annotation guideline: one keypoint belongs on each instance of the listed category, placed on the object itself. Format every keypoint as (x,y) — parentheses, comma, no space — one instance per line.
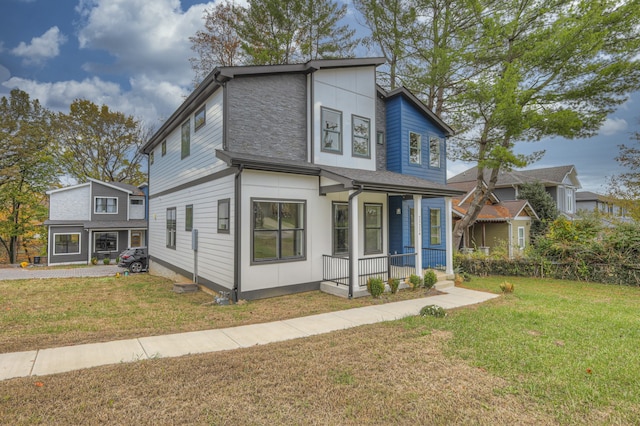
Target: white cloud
(45,47)
(150,38)
(611,126)
(148,100)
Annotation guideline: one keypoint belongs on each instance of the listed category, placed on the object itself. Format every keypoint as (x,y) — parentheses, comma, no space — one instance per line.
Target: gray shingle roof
(547,176)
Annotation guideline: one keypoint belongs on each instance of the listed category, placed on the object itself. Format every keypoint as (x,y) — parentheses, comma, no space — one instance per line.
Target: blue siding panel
(395,225)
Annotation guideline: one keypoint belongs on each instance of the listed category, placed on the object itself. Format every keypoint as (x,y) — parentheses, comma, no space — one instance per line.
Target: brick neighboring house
(95,219)
(277,179)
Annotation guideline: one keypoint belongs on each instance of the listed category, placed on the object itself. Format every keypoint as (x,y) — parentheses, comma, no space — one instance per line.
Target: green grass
(573,347)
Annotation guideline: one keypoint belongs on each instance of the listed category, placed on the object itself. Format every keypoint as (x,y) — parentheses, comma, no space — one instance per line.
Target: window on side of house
(223,216)
(436,229)
(151,157)
(434,152)
(415,148)
(569,195)
(106,205)
(66,243)
(340,228)
(521,241)
(200,118)
(185,139)
(331,130)
(171,228)
(278,231)
(188,217)
(372,228)
(164,148)
(360,136)
(105,241)
(380,137)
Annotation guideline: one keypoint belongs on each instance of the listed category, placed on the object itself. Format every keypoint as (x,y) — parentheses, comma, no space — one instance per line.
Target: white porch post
(353,242)
(417,230)
(449,234)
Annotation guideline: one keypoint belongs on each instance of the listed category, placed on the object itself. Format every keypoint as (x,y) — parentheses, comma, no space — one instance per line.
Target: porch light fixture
(398,210)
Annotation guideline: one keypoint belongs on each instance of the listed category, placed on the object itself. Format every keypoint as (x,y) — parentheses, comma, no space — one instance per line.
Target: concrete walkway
(31,272)
(69,358)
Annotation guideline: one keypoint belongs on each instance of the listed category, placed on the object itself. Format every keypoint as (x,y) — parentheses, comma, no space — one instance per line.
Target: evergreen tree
(542,203)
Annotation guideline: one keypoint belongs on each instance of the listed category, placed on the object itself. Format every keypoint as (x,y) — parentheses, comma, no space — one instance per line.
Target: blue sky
(133,55)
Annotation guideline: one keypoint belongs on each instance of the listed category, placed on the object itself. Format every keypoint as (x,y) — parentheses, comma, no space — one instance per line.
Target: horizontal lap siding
(170,170)
(71,204)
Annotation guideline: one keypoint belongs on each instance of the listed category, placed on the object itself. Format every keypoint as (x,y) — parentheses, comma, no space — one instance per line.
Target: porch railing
(336,268)
(433,258)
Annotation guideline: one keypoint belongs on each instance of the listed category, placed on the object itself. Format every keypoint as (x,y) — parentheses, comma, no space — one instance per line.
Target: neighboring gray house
(560,182)
(590,201)
(95,219)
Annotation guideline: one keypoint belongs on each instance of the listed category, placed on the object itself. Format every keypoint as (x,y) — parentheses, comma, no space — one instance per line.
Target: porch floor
(444,281)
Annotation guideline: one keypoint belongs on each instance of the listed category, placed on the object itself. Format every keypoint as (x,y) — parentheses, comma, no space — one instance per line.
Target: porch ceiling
(346,179)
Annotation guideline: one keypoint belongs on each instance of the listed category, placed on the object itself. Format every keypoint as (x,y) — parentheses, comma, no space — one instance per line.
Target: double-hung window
(415,148)
(331,131)
(340,228)
(188,217)
(106,205)
(223,216)
(521,240)
(200,118)
(171,228)
(186,139)
(372,228)
(436,228)
(434,152)
(278,230)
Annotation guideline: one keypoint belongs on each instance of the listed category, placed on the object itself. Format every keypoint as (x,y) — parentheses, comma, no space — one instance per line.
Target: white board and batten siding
(353,92)
(171,170)
(70,203)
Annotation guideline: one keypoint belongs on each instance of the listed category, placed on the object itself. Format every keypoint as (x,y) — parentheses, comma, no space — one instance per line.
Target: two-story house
(95,219)
(560,182)
(277,179)
(612,211)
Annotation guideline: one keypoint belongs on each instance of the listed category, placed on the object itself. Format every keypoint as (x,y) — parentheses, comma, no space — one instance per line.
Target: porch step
(444,284)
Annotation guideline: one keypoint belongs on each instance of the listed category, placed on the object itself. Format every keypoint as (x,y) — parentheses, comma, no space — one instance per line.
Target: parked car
(135,259)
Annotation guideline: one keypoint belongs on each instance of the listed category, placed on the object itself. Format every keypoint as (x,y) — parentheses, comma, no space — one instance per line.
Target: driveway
(18,273)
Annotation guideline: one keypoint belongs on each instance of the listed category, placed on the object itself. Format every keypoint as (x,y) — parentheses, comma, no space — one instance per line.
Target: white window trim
(439,145)
(95,249)
(431,226)
(419,162)
(521,240)
(67,233)
(95,206)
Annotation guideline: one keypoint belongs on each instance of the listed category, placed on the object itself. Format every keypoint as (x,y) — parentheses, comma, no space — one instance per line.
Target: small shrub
(414,281)
(117,259)
(458,279)
(94,260)
(434,311)
(106,261)
(394,283)
(375,286)
(506,287)
(430,279)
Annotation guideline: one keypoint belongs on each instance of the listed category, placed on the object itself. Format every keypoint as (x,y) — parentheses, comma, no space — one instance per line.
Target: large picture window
(436,229)
(278,230)
(186,140)
(415,148)
(66,243)
(106,205)
(105,241)
(331,130)
(171,227)
(434,152)
(340,228)
(360,136)
(372,228)
(223,216)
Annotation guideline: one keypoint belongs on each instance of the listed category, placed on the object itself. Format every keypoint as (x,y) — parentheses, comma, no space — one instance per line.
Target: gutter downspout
(352,255)
(236,242)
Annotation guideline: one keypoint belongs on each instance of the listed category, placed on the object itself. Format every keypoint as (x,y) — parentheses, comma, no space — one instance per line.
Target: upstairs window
(186,139)
(164,148)
(151,157)
(223,216)
(360,136)
(434,152)
(200,118)
(107,205)
(415,148)
(331,121)
(188,217)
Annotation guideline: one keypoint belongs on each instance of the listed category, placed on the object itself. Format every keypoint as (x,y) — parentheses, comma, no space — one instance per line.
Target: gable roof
(418,104)
(348,179)
(549,176)
(499,212)
(220,75)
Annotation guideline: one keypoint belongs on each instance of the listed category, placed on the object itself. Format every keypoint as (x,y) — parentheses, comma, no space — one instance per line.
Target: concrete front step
(444,284)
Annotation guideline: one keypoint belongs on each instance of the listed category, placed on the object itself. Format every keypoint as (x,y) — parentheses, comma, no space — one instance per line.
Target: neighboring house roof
(589,196)
(219,75)
(131,189)
(419,105)
(549,176)
(369,180)
(499,212)
(86,224)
